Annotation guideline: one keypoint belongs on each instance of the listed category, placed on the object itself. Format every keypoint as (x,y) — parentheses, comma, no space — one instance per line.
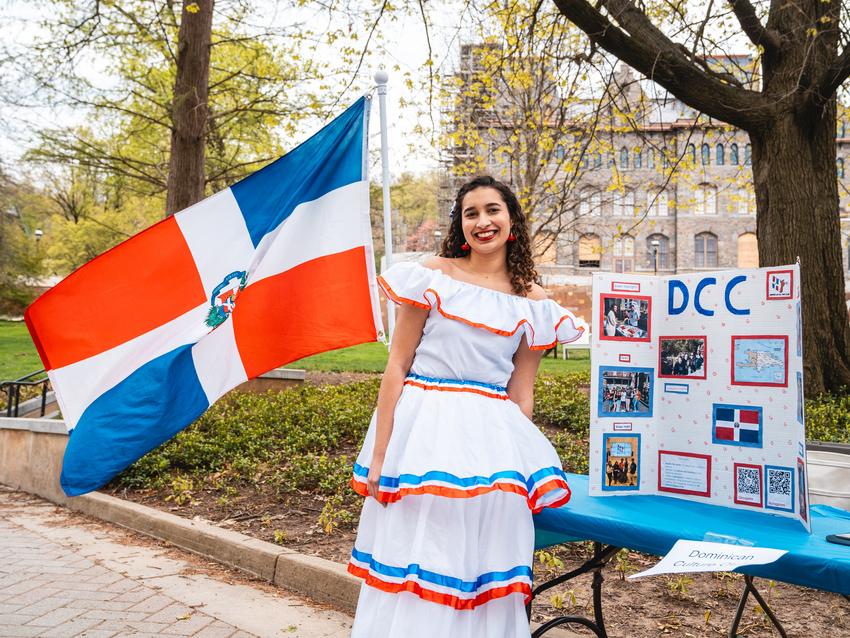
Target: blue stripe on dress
(470,481)
(438,380)
(458,584)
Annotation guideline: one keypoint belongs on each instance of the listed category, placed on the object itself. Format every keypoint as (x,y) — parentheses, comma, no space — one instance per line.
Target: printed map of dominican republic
(759,360)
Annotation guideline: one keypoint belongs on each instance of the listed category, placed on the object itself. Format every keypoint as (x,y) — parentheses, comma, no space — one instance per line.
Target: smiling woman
(452,468)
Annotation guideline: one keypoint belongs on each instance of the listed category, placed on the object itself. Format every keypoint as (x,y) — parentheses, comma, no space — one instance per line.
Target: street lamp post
(655,244)
(438,238)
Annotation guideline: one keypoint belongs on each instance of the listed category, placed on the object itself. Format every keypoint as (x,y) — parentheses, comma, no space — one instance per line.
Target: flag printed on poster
(140,341)
(737,425)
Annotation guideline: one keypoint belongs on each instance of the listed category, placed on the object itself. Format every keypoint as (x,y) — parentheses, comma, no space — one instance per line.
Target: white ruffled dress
(451,554)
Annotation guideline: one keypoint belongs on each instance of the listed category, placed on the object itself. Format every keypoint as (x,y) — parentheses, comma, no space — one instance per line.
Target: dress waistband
(457,385)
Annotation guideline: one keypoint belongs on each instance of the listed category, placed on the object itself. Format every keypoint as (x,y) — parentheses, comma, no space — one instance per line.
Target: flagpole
(381,78)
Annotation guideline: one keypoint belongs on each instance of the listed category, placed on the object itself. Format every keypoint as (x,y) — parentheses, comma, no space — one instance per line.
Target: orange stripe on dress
(548,486)
(448,600)
(439,490)
(439,388)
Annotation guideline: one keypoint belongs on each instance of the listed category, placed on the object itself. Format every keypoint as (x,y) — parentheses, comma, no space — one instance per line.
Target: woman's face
(485,220)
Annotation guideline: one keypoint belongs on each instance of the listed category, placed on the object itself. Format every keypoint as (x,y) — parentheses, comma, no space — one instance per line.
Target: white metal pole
(381,78)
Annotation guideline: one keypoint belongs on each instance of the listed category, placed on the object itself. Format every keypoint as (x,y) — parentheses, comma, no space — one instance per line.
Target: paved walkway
(64,575)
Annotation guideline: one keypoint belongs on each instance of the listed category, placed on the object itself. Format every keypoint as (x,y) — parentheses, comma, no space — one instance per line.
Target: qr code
(749,480)
(779,482)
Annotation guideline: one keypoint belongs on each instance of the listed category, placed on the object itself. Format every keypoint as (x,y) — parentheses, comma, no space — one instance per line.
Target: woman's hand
(373,478)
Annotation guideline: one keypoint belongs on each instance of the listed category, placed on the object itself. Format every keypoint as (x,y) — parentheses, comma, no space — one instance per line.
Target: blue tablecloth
(652,524)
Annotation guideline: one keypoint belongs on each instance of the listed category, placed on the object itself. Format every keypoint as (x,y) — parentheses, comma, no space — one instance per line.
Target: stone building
(669,192)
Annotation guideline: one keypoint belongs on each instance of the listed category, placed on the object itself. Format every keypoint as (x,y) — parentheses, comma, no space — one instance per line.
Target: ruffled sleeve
(544,322)
(406,282)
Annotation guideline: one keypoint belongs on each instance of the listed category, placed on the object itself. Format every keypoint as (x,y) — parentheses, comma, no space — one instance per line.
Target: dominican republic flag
(737,425)
(140,341)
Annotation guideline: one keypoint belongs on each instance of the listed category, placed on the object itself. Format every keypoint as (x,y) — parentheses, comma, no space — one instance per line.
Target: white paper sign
(700,556)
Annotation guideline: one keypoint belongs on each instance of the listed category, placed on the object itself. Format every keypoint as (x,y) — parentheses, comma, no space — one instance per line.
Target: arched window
(748,251)
(658,254)
(733,155)
(624,253)
(744,202)
(597,160)
(705,152)
(705,200)
(719,155)
(585,161)
(665,158)
(637,162)
(705,250)
(590,202)
(624,203)
(839,165)
(656,203)
(692,152)
(624,158)
(589,251)
(560,152)
(650,159)
(747,155)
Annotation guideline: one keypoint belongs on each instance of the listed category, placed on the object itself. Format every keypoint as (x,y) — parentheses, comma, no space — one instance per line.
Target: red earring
(464,246)
(511,237)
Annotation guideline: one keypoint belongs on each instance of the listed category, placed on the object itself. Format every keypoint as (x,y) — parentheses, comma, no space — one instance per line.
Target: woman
(452,467)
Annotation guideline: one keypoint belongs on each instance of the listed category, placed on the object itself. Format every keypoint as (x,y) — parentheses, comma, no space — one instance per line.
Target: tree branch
(641,45)
(835,74)
(752,26)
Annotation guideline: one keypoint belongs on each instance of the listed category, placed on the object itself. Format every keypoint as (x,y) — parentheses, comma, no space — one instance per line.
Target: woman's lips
(485,236)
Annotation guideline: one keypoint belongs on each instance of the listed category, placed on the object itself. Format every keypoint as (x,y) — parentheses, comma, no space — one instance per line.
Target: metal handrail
(13,392)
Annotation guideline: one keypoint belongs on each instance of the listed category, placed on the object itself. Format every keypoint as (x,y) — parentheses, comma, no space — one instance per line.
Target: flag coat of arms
(737,425)
(143,339)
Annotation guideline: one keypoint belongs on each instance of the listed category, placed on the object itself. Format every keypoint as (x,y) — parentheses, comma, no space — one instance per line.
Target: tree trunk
(797,198)
(186,175)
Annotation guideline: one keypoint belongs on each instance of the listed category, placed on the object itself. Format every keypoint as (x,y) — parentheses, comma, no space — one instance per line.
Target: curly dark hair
(519,260)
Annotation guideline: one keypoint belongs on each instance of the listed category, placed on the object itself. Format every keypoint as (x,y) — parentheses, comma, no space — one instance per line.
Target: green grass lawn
(17,351)
(372,357)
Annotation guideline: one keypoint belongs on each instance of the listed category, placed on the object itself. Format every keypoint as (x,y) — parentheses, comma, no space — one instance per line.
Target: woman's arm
(521,384)
(408,331)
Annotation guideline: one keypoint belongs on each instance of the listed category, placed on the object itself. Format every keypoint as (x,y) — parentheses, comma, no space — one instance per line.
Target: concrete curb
(317,578)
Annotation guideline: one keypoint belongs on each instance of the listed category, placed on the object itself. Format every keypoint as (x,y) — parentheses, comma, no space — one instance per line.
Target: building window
(589,251)
(585,162)
(665,159)
(661,252)
(624,158)
(747,155)
(560,152)
(638,159)
(744,202)
(624,254)
(624,203)
(692,152)
(590,203)
(705,200)
(657,203)
(719,155)
(705,250)
(748,251)
(705,152)
(650,159)
(597,160)
(733,155)
(839,165)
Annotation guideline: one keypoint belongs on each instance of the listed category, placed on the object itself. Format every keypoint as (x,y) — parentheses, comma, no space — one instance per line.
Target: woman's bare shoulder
(537,293)
(435,262)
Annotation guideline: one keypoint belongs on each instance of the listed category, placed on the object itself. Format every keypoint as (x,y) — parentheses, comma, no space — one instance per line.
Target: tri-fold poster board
(697,389)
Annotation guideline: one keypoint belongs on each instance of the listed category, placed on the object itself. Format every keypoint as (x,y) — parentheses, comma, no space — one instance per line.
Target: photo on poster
(760,360)
(625,317)
(779,285)
(801,489)
(625,391)
(682,357)
(801,405)
(684,473)
(621,461)
(748,483)
(736,425)
(779,488)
